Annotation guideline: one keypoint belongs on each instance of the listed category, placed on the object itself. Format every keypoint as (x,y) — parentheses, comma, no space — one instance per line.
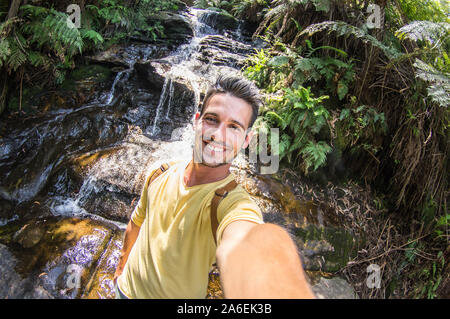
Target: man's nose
(219,133)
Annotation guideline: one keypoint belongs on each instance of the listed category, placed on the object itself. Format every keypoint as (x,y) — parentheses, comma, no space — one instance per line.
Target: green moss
(96,72)
(335,245)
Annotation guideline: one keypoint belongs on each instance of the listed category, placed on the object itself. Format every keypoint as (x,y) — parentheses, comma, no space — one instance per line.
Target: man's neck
(197,174)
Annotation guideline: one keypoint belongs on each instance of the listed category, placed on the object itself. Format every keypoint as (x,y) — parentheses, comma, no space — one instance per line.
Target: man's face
(221,131)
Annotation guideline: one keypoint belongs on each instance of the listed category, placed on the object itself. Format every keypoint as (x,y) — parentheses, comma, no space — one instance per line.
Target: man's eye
(210,120)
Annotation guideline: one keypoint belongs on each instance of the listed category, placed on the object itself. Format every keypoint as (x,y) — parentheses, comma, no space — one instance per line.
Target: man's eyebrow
(233,121)
(238,123)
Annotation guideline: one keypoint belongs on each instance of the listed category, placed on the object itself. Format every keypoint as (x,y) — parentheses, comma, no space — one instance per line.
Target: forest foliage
(38,46)
(372,98)
(379,96)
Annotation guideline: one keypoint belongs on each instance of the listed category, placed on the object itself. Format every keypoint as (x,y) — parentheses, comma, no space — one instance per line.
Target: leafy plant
(300,117)
(257,68)
(357,127)
(432,277)
(338,75)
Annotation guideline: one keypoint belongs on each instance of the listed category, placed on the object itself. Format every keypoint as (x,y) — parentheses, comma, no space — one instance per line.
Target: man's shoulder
(157,164)
(239,195)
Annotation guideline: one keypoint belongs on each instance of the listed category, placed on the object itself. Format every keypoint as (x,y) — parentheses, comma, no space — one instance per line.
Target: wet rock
(334,288)
(13,285)
(32,209)
(151,73)
(101,285)
(62,263)
(221,51)
(29,235)
(122,57)
(6,209)
(214,290)
(218,20)
(116,56)
(177,29)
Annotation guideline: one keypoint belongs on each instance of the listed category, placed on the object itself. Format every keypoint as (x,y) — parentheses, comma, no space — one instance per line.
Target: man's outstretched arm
(260,261)
(130,236)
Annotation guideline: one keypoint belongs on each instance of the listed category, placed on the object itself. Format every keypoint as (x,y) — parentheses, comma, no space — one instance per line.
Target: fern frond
(92,35)
(427,31)
(5,51)
(315,154)
(48,27)
(17,56)
(39,60)
(438,82)
(344,29)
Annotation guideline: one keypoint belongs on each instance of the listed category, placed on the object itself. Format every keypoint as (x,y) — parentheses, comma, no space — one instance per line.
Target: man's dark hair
(238,87)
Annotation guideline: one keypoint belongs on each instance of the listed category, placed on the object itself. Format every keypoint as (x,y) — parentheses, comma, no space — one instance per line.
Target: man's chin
(214,163)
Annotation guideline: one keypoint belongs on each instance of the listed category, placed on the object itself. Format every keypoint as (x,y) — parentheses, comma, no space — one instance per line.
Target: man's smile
(214,147)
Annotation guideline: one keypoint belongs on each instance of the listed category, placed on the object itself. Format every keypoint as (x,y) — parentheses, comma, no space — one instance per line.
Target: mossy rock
(219,19)
(326,249)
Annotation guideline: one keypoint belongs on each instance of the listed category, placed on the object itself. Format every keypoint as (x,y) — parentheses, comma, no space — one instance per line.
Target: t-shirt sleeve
(243,208)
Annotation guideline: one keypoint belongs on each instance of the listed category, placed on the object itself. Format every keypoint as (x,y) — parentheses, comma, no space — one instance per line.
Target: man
(169,245)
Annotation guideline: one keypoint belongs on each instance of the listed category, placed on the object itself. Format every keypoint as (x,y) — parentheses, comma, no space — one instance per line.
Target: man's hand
(130,236)
(260,261)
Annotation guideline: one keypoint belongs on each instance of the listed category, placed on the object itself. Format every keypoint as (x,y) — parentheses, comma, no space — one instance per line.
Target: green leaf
(342,89)
(278,61)
(345,113)
(281,122)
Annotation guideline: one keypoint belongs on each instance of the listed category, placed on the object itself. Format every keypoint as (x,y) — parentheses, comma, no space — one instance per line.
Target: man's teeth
(215,148)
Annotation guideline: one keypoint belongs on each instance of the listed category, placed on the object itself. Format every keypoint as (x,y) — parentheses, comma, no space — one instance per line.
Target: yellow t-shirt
(175,249)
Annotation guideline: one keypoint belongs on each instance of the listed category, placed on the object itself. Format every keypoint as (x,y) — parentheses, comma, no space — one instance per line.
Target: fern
(53,31)
(438,82)
(17,56)
(38,59)
(5,51)
(424,31)
(92,35)
(433,66)
(315,154)
(344,29)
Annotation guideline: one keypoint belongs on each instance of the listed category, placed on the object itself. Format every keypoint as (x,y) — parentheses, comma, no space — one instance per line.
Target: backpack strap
(164,167)
(219,194)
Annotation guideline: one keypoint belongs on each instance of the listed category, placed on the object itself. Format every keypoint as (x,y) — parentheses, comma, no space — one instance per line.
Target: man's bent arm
(260,261)
(131,234)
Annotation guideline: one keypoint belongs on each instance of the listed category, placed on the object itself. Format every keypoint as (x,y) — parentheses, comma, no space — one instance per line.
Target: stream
(71,176)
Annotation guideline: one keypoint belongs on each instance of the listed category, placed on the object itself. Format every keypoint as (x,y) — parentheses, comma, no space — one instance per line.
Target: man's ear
(248,137)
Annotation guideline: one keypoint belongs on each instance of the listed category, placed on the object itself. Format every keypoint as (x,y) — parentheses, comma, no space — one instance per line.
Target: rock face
(13,286)
(177,29)
(59,258)
(334,288)
(219,20)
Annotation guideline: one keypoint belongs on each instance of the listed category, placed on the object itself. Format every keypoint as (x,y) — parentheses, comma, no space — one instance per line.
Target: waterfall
(110,95)
(162,99)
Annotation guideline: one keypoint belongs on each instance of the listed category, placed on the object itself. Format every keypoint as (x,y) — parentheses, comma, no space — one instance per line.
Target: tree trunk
(13,9)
